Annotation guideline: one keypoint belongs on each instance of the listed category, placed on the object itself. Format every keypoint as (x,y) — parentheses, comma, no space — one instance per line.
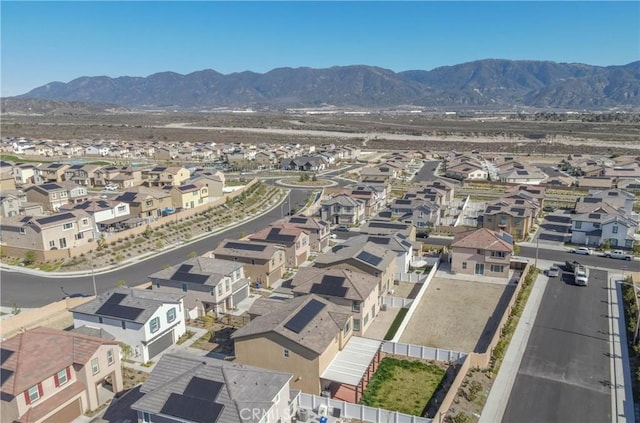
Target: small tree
(15,309)
(29,258)
(120,283)
(126,350)
(516,249)
(606,245)
(102,242)
(147,232)
(314,178)
(193,255)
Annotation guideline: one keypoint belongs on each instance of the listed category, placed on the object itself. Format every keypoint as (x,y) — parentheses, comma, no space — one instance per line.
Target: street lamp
(93,275)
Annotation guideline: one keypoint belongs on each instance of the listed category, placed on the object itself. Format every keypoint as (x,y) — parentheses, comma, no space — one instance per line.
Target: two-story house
(147,203)
(264,263)
(50,172)
(214,181)
(374,197)
(82,174)
(160,176)
(107,215)
(147,321)
(357,291)
(342,209)
(601,224)
(294,240)
(50,375)
(384,227)
(190,388)
(482,252)
(56,232)
(209,285)
(317,229)
(515,216)
(54,195)
(187,196)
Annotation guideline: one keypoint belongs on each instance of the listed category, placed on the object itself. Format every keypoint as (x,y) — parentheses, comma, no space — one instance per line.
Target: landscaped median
(630,297)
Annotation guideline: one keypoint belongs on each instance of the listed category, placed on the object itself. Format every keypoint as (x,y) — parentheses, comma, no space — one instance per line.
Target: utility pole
(93,275)
(537,248)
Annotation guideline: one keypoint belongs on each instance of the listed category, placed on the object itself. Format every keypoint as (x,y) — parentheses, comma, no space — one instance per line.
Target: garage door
(240,295)
(160,344)
(67,414)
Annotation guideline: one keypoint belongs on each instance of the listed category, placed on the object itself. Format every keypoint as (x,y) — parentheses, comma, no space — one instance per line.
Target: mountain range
(485,84)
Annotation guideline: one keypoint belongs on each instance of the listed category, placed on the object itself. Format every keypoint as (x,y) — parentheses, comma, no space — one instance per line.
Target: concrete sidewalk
(501,390)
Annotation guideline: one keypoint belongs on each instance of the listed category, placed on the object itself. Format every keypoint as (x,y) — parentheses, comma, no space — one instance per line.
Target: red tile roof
(485,239)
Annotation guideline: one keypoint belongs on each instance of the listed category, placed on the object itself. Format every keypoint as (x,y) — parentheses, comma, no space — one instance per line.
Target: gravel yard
(457,314)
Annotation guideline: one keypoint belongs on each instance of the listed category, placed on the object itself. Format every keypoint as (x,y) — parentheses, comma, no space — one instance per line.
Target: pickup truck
(571,265)
(618,254)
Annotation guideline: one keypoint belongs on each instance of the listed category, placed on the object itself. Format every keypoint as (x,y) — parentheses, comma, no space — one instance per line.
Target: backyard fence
(422,352)
(410,277)
(397,302)
(357,411)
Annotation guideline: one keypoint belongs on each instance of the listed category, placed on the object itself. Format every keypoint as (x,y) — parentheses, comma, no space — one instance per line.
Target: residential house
(369,258)
(603,223)
(209,285)
(264,263)
(214,181)
(50,172)
(464,171)
(147,203)
(482,252)
(160,176)
(294,240)
(356,291)
(56,232)
(265,159)
(82,174)
(7,180)
(343,209)
(165,153)
(519,173)
(188,196)
(192,388)
(9,204)
(617,198)
(378,226)
(421,213)
(24,174)
(396,242)
(514,216)
(123,177)
(595,182)
(108,215)
(54,195)
(386,171)
(147,321)
(307,163)
(97,150)
(300,336)
(374,197)
(50,375)
(317,229)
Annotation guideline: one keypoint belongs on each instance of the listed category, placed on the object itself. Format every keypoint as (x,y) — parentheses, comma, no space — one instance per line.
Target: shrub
(29,258)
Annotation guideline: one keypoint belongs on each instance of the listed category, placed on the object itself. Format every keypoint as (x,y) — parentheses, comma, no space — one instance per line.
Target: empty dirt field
(458,315)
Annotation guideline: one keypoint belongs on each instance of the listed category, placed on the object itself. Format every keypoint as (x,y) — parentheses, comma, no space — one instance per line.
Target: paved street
(427,172)
(565,372)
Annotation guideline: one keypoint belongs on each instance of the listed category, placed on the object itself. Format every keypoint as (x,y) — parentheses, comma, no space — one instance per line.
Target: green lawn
(403,385)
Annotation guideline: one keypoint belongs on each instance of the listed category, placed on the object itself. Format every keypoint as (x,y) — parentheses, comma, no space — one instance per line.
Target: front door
(479,268)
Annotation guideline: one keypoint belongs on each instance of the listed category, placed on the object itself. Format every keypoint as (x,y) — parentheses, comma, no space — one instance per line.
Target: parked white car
(111,187)
(582,250)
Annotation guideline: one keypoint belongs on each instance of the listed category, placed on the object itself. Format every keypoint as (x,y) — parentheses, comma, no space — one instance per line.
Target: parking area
(555,227)
(457,314)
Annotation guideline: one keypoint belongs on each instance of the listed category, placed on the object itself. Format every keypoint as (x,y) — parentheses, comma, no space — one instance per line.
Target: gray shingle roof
(212,268)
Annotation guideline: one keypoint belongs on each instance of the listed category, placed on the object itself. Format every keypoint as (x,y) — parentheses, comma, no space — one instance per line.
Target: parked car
(111,187)
(553,271)
(571,265)
(341,228)
(585,251)
(422,235)
(333,236)
(549,209)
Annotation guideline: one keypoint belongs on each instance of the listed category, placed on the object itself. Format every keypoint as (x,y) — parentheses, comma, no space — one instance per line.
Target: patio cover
(350,364)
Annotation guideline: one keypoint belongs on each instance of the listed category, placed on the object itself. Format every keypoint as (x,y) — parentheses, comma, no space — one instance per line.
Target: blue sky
(60,41)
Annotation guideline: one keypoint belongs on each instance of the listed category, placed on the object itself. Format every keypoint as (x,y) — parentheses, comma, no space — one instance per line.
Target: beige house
(214,181)
(160,176)
(50,172)
(369,258)
(299,336)
(264,263)
(482,252)
(50,375)
(187,196)
(356,291)
(122,176)
(208,284)
(317,229)
(56,194)
(294,240)
(62,230)
(145,202)
(514,216)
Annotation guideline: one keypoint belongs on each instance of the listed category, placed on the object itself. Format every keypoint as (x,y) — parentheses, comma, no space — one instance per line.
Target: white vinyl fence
(420,351)
(397,302)
(412,277)
(357,411)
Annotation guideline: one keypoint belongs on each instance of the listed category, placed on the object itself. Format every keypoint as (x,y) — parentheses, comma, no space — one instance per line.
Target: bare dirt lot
(457,314)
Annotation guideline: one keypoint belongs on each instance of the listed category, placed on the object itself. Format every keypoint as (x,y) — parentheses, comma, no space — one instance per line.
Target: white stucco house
(148,321)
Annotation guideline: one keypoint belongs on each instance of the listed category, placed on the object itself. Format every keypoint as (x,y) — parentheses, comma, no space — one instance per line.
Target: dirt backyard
(458,315)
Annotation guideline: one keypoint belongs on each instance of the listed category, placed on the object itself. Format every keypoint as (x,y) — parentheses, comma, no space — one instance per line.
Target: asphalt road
(29,291)
(564,375)
(427,172)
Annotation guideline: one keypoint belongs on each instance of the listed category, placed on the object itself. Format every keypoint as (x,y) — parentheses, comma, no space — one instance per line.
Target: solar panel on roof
(330,285)
(126,197)
(55,218)
(403,201)
(374,224)
(116,298)
(4,355)
(189,277)
(304,316)
(378,240)
(203,389)
(241,246)
(192,409)
(369,258)
(119,311)
(25,219)
(76,166)
(49,187)
(158,169)
(55,165)
(298,220)
(506,237)
(185,268)
(188,187)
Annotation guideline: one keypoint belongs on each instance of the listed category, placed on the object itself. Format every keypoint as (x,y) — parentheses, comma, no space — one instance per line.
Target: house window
(184,287)
(171,315)
(79,236)
(356,306)
(578,224)
(219,289)
(236,274)
(347,328)
(496,268)
(157,284)
(356,325)
(211,291)
(499,254)
(52,244)
(85,221)
(123,324)
(146,417)
(23,230)
(614,230)
(254,262)
(63,194)
(121,208)
(95,366)
(227,284)
(149,203)
(286,352)
(110,359)
(63,242)
(61,377)
(53,195)
(67,226)
(34,394)
(489,218)
(464,264)
(479,251)
(154,325)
